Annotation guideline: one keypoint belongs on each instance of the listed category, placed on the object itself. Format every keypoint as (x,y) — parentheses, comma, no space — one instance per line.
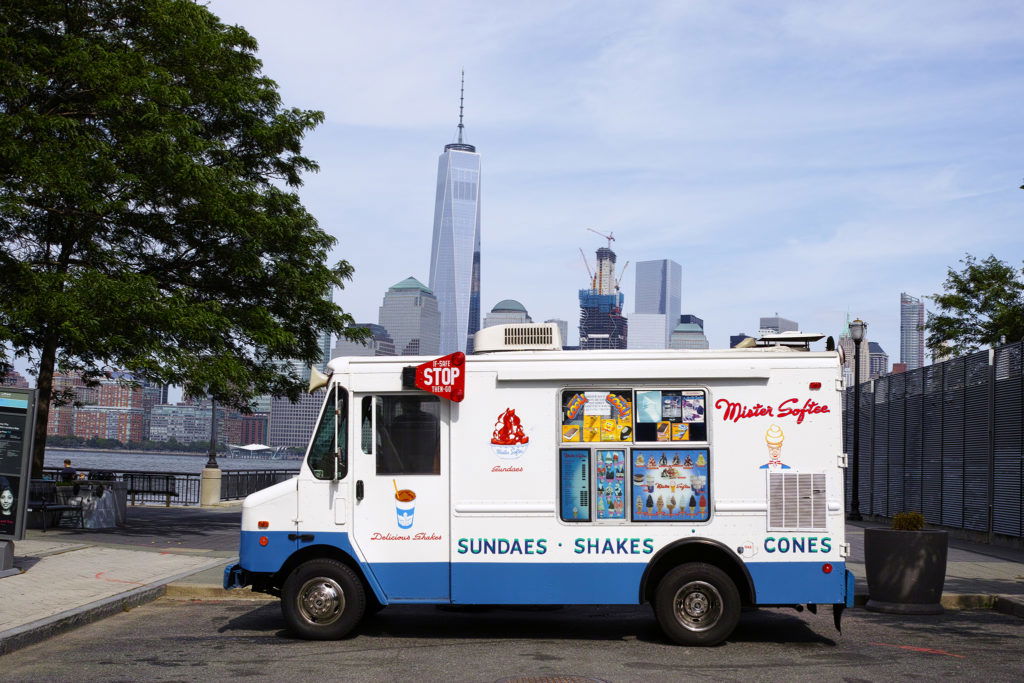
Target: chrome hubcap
(697,606)
(321,601)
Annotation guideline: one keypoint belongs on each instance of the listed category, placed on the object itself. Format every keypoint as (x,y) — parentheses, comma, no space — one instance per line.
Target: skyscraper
(602,325)
(911,331)
(455,249)
(658,295)
(409,314)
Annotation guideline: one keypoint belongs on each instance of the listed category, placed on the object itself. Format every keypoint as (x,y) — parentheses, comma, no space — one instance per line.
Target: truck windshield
(331,438)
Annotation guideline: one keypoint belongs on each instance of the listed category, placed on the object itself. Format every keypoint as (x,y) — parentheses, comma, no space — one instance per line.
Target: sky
(807,159)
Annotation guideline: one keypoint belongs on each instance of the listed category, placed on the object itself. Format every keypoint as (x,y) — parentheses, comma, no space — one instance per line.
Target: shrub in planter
(905,566)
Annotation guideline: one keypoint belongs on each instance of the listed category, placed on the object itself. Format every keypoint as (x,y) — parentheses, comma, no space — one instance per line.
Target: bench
(46,497)
(151,484)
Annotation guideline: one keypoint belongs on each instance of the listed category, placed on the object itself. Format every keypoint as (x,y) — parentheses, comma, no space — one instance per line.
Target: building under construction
(602,325)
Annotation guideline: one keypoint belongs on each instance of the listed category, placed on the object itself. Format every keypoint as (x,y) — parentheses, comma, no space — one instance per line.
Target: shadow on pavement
(515,623)
(155,527)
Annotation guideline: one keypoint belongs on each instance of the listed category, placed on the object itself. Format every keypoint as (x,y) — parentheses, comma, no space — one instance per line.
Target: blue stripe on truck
(539,583)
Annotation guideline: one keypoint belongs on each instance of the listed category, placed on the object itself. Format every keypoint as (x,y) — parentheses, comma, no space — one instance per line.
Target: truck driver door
(401,519)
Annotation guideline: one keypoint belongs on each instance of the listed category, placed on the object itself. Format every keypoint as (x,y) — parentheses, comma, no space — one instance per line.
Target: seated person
(68,473)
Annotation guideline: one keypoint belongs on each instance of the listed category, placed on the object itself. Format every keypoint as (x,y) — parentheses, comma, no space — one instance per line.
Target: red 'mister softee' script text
(737,411)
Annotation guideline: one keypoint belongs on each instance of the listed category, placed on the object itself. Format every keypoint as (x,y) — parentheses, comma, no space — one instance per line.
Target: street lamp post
(857,328)
(211,462)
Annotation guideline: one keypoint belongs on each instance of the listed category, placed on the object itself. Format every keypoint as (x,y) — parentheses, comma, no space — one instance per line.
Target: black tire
(322,599)
(697,604)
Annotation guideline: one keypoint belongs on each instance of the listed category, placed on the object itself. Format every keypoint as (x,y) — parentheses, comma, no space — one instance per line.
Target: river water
(157,462)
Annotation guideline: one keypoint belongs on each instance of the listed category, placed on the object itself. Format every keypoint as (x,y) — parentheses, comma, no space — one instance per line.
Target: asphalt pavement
(71,577)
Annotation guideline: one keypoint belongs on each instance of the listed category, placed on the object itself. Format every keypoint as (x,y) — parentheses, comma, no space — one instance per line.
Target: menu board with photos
(670,485)
(575,485)
(670,415)
(610,484)
(595,416)
(15,426)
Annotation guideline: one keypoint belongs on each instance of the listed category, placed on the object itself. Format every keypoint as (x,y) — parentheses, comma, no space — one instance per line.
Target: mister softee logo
(791,407)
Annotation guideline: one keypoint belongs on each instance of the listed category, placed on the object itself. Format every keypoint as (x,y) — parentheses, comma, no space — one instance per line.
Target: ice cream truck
(700,482)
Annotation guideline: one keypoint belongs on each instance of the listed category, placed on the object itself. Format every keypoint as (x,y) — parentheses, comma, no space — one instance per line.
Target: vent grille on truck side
(796,501)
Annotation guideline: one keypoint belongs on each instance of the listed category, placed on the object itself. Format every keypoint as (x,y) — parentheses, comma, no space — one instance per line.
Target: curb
(30,634)
(199,591)
(1012,605)
(42,629)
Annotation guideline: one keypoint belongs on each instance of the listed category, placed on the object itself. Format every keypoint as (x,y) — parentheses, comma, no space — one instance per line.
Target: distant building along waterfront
(507,312)
(379,343)
(689,334)
(563,328)
(455,247)
(409,314)
(912,319)
(291,424)
(878,360)
(775,325)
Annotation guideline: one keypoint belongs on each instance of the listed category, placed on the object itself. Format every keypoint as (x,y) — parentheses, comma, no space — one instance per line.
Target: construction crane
(610,236)
(622,274)
(587,266)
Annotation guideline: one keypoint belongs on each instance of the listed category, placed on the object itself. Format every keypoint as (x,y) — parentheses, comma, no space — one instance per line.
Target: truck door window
(408,434)
(331,436)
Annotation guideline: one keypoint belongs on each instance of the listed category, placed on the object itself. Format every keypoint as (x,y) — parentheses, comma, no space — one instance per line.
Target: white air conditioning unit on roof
(523,337)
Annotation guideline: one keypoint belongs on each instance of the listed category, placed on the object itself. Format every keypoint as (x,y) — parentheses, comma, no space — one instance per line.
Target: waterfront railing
(234,484)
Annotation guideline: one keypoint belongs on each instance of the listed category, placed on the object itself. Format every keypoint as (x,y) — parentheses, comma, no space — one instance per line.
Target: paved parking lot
(209,640)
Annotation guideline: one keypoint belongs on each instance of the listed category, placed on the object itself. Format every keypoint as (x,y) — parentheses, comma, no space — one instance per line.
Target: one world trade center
(455,249)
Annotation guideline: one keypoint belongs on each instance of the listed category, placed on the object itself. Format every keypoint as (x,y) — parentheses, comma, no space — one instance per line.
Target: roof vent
(523,337)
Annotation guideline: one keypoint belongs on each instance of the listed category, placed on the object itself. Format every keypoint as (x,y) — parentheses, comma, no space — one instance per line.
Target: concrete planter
(905,570)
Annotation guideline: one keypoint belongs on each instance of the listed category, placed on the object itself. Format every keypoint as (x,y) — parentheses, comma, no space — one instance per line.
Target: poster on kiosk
(17,418)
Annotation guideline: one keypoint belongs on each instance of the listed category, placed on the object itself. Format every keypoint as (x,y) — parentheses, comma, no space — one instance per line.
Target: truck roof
(636,364)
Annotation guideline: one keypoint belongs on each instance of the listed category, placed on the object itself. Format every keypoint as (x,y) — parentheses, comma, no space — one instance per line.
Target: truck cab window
(408,434)
(331,436)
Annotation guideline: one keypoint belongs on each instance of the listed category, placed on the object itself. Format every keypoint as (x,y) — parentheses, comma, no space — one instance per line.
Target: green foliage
(981,304)
(148,218)
(908,521)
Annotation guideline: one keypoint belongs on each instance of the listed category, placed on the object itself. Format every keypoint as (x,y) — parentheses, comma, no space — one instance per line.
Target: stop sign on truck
(444,376)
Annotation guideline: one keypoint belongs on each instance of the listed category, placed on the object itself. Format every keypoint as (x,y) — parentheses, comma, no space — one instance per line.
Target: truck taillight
(815,386)
(826,568)
(263,525)
(264,540)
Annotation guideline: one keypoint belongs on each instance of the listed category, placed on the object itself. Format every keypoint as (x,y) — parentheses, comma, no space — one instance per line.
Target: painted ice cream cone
(774,438)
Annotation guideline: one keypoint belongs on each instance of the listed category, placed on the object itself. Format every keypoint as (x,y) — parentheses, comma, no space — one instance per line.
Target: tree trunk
(44,392)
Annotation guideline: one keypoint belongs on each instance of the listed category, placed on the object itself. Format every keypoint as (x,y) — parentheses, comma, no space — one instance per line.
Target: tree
(148,213)
(981,305)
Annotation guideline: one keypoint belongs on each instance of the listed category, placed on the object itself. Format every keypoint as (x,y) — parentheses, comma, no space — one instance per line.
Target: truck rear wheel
(322,599)
(697,604)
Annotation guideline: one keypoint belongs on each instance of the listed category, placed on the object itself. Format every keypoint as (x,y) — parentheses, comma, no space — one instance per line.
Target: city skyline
(819,159)
(757,146)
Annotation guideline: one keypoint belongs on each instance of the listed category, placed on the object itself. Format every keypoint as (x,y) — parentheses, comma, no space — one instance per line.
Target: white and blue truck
(700,482)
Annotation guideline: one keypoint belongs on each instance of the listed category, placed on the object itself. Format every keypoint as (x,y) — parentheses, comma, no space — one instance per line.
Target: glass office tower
(455,250)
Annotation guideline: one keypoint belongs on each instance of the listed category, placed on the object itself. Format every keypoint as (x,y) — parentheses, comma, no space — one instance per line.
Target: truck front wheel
(322,599)
(697,604)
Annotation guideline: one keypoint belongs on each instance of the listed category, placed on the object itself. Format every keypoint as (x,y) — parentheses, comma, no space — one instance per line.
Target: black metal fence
(945,440)
(237,484)
(234,484)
